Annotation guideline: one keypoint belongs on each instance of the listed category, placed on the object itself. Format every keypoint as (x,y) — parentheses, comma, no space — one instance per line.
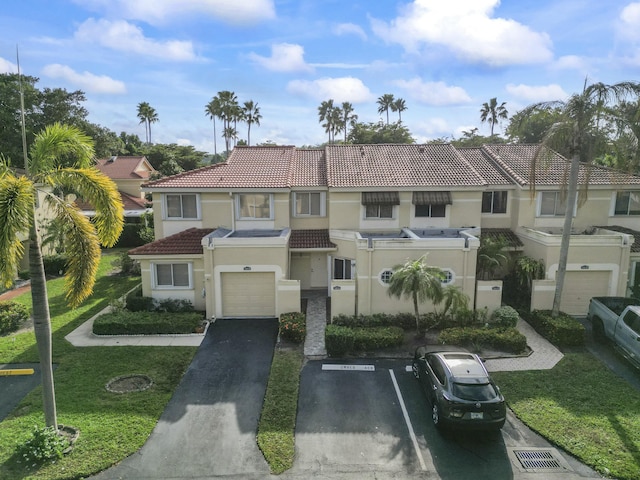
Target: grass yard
(582,407)
(112,426)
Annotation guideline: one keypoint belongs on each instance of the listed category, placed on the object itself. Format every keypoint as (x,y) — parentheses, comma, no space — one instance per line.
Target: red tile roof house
(243,238)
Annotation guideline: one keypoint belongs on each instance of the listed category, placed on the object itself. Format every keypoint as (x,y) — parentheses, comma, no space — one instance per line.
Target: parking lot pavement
(369,419)
(15,387)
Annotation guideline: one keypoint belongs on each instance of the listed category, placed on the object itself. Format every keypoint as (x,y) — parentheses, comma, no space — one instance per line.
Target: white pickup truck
(617,319)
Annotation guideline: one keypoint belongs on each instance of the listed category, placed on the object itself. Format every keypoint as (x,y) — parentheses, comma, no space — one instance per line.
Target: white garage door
(248,294)
(580,286)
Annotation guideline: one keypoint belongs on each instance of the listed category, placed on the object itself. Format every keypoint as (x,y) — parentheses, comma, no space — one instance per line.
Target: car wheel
(416,371)
(435,415)
(598,331)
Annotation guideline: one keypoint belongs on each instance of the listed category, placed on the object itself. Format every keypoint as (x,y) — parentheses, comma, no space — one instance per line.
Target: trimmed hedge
(406,321)
(507,339)
(146,323)
(340,339)
(563,331)
(55,265)
(505,316)
(293,326)
(12,315)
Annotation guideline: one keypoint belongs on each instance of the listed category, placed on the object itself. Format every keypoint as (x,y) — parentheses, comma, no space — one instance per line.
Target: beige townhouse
(246,238)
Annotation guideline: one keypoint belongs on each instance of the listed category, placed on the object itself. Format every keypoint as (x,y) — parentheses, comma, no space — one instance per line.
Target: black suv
(459,389)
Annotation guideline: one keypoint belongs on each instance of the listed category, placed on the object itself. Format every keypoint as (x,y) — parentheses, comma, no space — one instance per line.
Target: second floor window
(254,205)
(494,202)
(627,203)
(433,211)
(377,210)
(379,204)
(182,206)
(309,204)
(552,204)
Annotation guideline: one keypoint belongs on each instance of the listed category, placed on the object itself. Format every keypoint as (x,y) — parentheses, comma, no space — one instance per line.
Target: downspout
(233,212)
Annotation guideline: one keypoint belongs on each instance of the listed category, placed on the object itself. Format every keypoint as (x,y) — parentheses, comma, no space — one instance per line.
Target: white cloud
(542,93)
(468,29)
(349,29)
(285,57)
(571,62)
(7,67)
(630,21)
(164,11)
(85,80)
(343,89)
(126,37)
(434,93)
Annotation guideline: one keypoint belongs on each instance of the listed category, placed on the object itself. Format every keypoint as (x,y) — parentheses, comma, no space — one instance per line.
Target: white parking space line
(412,434)
(359,368)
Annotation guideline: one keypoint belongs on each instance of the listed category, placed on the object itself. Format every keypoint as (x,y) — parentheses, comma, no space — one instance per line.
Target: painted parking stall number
(358,368)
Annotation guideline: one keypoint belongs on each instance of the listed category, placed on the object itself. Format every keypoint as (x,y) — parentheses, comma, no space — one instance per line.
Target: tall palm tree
(384,104)
(417,281)
(143,113)
(251,114)
(576,131)
(337,123)
(152,117)
(229,112)
(348,118)
(325,114)
(492,113)
(213,110)
(399,105)
(47,170)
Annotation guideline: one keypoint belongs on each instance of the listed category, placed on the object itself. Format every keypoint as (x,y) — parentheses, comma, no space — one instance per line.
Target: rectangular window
(172,275)
(254,205)
(309,203)
(627,203)
(494,202)
(432,211)
(376,210)
(182,206)
(342,269)
(552,204)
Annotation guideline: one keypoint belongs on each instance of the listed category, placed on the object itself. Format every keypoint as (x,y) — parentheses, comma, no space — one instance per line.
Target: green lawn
(582,407)
(112,426)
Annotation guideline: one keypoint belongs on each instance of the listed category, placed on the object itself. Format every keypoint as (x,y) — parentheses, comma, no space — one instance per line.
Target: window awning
(432,198)
(380,198)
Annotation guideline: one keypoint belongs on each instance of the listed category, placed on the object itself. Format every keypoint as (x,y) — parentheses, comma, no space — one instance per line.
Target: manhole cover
(540,460)
(129,383)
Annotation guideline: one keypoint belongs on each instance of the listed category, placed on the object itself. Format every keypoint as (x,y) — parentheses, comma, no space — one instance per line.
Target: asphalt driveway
(209,427)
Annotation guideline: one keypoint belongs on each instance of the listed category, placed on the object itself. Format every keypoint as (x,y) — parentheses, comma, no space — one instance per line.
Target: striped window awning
(380,198)
(432,198)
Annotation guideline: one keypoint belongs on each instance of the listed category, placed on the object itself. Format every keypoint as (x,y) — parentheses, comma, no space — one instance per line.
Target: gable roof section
(246,167)
(187,242)
(125,168)
(309,168)
(486,167)
(516,160)
(385,165)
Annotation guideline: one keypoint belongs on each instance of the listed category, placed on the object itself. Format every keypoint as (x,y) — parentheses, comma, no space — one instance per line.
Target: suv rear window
(474,392)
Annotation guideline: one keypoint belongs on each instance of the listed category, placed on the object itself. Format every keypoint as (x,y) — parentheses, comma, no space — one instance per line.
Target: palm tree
(229,112)
(47,170)
(325,114)
(417,281)
(212,110)
(143,110)
(399,105)
(384,104)
(152,117)
(337,124)
(348,117)
(492,113)
(251,114)
(577,131)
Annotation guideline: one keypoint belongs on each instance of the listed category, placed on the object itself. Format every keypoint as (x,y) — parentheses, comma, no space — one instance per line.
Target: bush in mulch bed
(146,323)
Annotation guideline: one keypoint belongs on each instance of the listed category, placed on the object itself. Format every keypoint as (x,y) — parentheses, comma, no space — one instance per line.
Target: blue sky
(444,58)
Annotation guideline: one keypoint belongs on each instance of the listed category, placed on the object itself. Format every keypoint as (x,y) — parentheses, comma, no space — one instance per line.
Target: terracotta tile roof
(383,165)
(187,242)
(310,239)
(129,201)
(516,161)
(485,166)
(635,247)
(246,167)
(309,168)
(123,168)
(495,233)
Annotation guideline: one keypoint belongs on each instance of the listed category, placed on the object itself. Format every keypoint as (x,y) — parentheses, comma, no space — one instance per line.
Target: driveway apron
(209,426)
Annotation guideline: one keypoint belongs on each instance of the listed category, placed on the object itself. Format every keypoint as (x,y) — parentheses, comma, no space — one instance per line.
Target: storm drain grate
(540,459)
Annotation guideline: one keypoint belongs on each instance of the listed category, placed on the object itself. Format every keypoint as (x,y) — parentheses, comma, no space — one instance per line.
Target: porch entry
(310,269)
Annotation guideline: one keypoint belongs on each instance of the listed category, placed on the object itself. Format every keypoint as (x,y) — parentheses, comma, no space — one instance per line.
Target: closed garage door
(248,294)
(579,287)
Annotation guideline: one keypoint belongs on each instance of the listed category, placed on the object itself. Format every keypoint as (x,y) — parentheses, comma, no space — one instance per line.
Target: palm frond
(16,212)
(60,145)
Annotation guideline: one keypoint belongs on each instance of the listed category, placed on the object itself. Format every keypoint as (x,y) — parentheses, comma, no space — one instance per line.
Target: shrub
(338,340)
(506,339)
(44,445)
(130,236)
(505,317)
(12,315)
(24,274)
(128,266)
(293,327)
(406,321)
(174,305)
(55,265)
(563,331)
(146,323)
(135,302)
